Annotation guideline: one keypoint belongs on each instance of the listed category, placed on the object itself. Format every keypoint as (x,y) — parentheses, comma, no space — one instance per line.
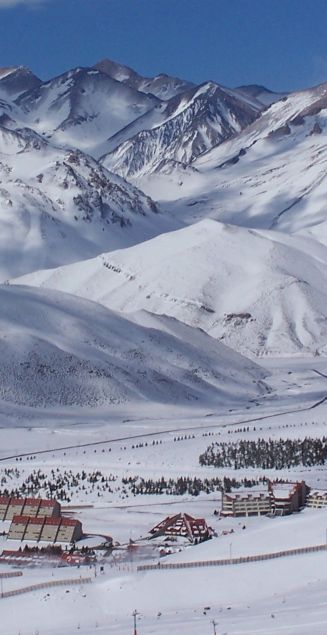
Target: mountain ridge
(260,292)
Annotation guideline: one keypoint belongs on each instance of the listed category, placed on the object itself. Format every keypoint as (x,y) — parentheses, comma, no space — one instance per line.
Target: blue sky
(279,43)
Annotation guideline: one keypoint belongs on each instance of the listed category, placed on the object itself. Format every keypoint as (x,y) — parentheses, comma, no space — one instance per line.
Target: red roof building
(70,530)
(4,504)
(15,508)
(49,507)
(184,526)
(279,499)
(45,529)
(31,506)
(11,506)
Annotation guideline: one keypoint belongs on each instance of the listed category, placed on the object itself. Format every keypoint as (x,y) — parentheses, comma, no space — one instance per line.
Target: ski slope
(260,292)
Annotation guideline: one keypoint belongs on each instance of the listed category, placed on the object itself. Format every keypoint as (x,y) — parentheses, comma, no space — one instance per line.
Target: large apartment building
(11,506)
(45,529)
(279,499)
(317,499)
(244,504)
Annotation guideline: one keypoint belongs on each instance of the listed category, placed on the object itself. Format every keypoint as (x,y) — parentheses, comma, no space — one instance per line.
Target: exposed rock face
(63,199)
(316,129)
(192,123)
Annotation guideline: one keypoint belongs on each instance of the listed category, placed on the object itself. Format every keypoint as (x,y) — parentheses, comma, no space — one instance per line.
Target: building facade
(279,499)
(32,507)
(254,504)
(317,499)
(183,526)
(45,529)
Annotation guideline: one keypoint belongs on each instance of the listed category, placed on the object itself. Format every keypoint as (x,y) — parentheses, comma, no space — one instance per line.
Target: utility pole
(214,624)
(135,613)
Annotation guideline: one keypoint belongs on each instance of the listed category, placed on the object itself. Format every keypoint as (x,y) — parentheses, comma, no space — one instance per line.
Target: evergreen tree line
(266,454)
(186,485)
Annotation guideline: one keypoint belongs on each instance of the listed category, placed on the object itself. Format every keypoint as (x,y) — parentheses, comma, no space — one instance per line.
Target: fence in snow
(10,574)
(45,585)
(231,561)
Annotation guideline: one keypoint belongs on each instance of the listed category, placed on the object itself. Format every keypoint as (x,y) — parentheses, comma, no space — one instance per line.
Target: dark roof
(49,502)
(35,502)
(36,520)
(20,520)
(181,525)
(52,521)
(70,522)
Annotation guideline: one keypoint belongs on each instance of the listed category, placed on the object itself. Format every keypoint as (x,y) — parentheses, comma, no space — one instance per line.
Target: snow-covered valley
(168,446)
(163,272)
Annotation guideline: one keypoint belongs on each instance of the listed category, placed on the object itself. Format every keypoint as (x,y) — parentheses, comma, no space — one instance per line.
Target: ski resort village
(163,323)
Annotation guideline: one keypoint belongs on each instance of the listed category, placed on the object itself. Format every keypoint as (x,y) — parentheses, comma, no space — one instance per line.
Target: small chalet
(184,526)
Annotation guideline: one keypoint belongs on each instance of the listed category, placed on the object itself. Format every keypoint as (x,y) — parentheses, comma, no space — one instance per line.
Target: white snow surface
(271,175)
(113,360)
(259,291)
(180,130)
(81,108)
(272,597)
(59,350)
(162,86)
(58,206)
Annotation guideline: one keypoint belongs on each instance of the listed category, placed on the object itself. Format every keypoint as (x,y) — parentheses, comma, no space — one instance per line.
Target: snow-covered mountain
(271,175)
(16,80)
(260,93)
(162,86)
(261,292)
(57,350)
(82,108)
(59,206)
(180,131)
(99,109)
(254,160)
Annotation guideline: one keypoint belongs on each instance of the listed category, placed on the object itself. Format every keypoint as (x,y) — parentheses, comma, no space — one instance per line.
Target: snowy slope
(162,86)
(57,206)
(260,292)
(82,108)
(260,93)
(82,354)
(271,175)
(15,81)
(188,125)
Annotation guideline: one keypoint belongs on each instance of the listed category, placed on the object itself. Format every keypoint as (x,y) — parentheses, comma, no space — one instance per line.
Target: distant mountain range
(201,202)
